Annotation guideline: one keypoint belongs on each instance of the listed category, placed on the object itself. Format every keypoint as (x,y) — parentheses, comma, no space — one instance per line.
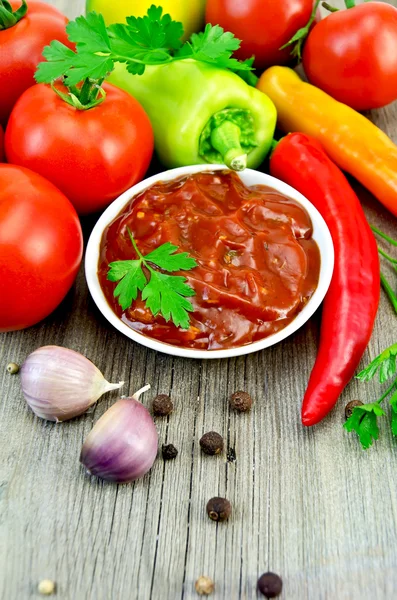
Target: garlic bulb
(59,384)
(122,445)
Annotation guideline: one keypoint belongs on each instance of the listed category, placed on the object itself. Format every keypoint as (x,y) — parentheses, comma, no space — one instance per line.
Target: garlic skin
(123,444)
(59,384)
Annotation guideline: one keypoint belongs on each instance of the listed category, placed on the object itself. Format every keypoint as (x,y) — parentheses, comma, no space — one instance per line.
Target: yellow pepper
(189,12)
(349,138)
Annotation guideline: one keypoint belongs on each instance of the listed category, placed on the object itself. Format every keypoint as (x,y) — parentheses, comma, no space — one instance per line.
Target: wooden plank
(308,504)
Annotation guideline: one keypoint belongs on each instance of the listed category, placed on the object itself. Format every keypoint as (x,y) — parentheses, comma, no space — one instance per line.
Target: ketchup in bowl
(257,262)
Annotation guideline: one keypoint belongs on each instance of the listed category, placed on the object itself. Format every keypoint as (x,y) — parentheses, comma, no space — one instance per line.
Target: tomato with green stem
(262,25)
(25,28)
(41,247)
(93,142)
(352,54)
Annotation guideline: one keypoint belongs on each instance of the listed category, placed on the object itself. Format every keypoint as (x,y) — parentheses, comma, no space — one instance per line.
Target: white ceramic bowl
(320,234)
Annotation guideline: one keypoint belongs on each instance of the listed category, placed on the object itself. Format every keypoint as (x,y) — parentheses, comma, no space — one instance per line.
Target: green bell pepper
(201,113)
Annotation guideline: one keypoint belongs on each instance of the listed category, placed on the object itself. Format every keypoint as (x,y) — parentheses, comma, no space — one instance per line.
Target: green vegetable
(392,262)
(196,95)
(364,418)
(164,294)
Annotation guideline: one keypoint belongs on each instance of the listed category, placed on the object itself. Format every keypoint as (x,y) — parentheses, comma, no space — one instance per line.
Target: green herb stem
(133,242)
(389,291)
(384,235)
(387,256)
(387,392)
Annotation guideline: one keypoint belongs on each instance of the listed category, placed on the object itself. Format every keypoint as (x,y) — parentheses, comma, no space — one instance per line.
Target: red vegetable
(41,246)
(352,55)
(262,25)
(92,155)
(1,145)
(352,300)
(21,47)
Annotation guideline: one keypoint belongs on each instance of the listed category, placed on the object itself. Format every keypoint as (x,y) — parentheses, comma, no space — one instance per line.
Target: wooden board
(309,504)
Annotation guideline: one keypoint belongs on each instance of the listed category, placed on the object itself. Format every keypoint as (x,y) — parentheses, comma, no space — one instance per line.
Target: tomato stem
(9,18)
(89,95)
(329,7)
(300,36)
(350,3)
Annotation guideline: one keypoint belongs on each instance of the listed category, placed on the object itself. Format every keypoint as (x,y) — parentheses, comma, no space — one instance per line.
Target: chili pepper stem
(226,140)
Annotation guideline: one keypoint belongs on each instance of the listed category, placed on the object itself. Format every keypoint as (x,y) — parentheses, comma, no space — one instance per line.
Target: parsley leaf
(60,59)
(215,46)
(393,404)
(214,42)
(164,257)
(131,280)
(164,294)
(155,30)
(89,33)
(385,363)
(364,422)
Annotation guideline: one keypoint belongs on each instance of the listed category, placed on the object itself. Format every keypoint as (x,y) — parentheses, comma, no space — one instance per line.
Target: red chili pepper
(352,300)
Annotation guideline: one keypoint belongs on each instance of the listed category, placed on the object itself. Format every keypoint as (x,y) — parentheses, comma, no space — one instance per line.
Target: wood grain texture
(308,504)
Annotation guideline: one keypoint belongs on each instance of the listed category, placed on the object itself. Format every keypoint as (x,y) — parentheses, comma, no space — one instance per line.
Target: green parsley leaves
(364,418)
(364,422)
(385,363)
(154,39)
(164,294)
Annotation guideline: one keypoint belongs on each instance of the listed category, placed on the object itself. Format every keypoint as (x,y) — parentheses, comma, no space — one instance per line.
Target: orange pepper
(351,140)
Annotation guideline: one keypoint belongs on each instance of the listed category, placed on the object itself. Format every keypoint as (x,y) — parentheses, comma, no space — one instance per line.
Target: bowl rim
(320,233)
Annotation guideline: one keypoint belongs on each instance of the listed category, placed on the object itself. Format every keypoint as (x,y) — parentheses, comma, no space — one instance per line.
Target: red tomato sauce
(257,262)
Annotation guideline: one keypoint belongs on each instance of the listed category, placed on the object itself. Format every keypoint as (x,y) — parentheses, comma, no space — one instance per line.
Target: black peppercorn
(211,443)
(350,406)
(169,451)
(162,405)
(270,585)
(219,509)
(241,401)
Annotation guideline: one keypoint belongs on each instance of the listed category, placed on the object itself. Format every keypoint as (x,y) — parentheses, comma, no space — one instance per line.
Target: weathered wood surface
(308,504)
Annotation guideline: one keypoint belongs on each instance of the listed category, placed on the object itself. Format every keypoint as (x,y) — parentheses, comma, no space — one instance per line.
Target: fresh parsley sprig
(364,418)
(154,39)
(163,294)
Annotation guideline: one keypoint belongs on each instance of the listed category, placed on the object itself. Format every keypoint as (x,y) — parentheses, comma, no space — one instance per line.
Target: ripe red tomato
(41,246)
(1,145)
(262,25)
(352,55)
(91,155)
(21,49)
